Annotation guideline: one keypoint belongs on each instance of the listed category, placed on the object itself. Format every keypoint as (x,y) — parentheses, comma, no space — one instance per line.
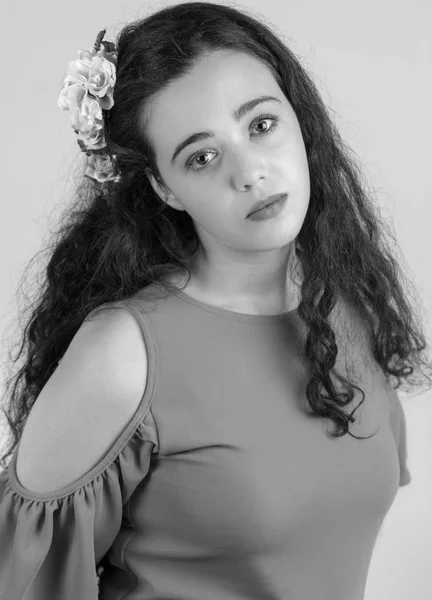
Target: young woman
(205,410)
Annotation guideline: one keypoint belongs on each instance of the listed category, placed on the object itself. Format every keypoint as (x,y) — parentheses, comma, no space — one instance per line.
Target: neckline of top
(237,316)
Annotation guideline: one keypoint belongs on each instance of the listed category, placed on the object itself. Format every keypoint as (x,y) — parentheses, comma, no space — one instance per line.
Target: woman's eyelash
(275,120)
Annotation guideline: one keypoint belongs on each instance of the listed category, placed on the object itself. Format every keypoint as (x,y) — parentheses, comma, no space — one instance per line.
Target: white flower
(87,89)
(96,73)
(89,123)
(85,115)
(100,167)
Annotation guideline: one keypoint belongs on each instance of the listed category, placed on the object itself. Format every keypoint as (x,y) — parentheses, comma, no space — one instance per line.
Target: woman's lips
(263,203)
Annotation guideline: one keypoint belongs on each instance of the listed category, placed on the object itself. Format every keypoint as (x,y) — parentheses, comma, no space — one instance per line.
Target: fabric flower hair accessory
(87,89)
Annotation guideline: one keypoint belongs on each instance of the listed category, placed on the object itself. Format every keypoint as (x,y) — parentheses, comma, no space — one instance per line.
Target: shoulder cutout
(86,404)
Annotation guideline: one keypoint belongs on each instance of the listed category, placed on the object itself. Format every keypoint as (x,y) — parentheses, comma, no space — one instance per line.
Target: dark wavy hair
(119,237)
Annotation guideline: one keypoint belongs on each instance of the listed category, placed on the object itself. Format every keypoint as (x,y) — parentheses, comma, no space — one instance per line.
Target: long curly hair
(119,237)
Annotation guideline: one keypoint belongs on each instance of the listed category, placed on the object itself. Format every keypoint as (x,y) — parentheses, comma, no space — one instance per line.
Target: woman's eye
(260,119)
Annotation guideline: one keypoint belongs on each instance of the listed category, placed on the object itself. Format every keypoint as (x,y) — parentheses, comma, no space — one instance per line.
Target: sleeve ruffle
(51,544)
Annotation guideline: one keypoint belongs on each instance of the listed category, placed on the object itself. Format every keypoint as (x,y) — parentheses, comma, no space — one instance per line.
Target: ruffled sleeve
(398,426)
(50,544)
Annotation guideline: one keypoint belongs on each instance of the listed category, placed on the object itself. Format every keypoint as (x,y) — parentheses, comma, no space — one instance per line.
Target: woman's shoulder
(86,403)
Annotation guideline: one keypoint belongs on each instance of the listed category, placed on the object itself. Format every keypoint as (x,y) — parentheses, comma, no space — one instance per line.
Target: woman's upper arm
(86,403)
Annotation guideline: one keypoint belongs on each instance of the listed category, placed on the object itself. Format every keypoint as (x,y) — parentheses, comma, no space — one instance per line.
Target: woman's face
(217,179)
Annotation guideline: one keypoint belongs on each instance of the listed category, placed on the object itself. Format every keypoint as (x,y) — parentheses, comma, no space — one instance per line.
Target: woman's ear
(162,191)
(158,187)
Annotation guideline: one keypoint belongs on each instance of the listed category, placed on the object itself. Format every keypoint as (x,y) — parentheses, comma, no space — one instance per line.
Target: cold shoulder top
(222,486)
